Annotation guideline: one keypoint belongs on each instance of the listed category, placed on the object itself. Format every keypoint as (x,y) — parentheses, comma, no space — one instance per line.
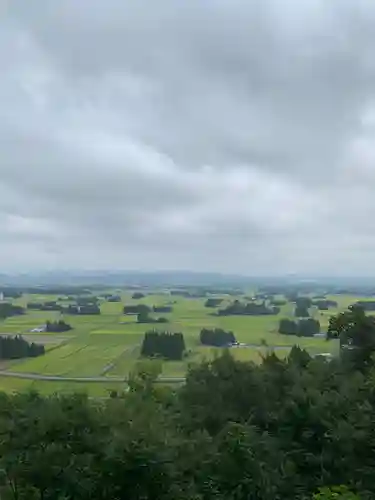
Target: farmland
(108,345)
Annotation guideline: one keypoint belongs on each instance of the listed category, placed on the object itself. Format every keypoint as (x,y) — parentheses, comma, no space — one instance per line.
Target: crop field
(108,345)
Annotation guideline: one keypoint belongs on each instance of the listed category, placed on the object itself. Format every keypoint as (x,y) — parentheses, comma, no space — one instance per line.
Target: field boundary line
(113,363)
(61,378)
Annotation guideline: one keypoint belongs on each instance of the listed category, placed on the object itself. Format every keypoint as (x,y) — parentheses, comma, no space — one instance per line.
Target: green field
(109,344)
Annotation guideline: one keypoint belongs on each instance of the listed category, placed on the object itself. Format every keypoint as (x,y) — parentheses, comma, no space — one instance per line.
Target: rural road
(60,378)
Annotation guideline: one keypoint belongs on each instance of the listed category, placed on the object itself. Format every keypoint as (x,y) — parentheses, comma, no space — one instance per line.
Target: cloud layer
(221,135)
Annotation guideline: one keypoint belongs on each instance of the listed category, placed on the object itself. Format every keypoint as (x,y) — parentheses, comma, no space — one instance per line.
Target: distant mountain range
(167,278)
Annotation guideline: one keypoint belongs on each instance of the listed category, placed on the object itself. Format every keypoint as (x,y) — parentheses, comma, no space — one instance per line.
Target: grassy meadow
(109,344)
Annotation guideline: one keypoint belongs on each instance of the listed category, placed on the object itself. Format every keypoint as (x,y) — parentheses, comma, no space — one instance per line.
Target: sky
(221,135)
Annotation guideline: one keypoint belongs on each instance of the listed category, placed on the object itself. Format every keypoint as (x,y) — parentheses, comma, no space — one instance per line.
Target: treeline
(7,310)
(251,309)
(82,306)
(136,309)
(83,309)
(213,302)
(167,345)
(301,328)
(366,305)
(50,305)
(324,304)
(217,337)
(57,326)
(17,347)
(145,317)
(162,309)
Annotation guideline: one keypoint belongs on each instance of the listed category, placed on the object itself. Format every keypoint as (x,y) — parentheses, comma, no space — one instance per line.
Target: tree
(217,337)
(288,327)
(213,302)
(301,312)
(164,344)
(57,326)
(356,333)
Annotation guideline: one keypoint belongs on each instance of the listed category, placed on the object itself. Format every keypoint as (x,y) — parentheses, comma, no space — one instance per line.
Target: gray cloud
(224,135)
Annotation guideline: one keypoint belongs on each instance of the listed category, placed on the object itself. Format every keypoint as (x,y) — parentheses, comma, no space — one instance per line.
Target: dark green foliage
(288,327)
(7,310)
(137,309)
(17,347)
(303,302)
(356,332)
(366,305)
(83,310)
(12,293)
(324,305)
(34,305)
(162,309)
(114,298)
(213,302)
(138,295)
(303,327)
(217,337)
(51,305)
(88,300)
(57,326)
(164,344)
(308,327)
(283,430)
(144,317)
(250,309)
(301,312)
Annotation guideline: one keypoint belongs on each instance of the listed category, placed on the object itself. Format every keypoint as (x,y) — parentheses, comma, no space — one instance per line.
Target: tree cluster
(302,328)
(45,306)
(82,310)
(324,304)
(250,309)
(301,312)
(356,332)
(162,309)
(7,310)
(57,326)
(217,337)
(145,317)
(138,295)
(17,347)
(114,298)
(366,305)
(11,293)
(166,345)
(213,302)
(136,309)
(88,300)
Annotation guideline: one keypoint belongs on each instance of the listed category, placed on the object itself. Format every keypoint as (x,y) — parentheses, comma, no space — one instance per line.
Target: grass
(112,340)
(94,389)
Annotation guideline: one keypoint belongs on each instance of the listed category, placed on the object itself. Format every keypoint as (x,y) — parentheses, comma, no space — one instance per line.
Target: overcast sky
(225,135)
